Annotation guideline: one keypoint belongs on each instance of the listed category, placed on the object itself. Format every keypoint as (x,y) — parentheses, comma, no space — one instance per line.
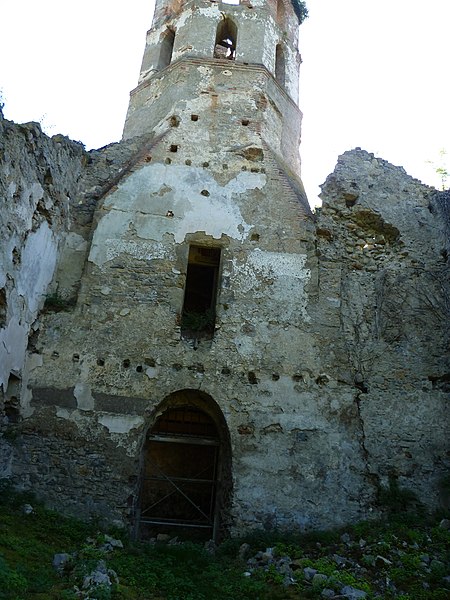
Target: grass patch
(401,559)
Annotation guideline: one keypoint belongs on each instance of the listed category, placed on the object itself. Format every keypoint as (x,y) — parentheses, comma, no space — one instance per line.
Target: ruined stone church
(184,345)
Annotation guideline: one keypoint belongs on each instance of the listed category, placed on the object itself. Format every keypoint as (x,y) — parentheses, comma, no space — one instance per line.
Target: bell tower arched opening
(226,39)
(166,49)
(186,469)
(281,13)
(280,65)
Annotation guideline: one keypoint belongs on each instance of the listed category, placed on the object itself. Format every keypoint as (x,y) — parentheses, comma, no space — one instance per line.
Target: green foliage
(301,10)
(103,592)
(288,549)
(11,433)
(323,565)
(56,303)
(271,575)
(347,578)
(12,584)
(182,571)
(441,168)
(198,321)
(397,500)
(394,550)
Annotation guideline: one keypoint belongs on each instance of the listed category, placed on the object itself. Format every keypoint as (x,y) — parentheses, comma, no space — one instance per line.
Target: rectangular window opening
(198,318)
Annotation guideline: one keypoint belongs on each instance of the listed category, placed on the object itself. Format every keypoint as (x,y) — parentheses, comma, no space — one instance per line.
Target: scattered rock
(61,561)
(309,573)
(352,593)
(436,565)
(210,547)
(345,538)
(27,509)
(244,551)
(339,560)
(267,556)
(381,559)
(318,579)
(110,544)
(100,576)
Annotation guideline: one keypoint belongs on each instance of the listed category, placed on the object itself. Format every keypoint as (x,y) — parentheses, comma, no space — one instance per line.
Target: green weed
(393,550)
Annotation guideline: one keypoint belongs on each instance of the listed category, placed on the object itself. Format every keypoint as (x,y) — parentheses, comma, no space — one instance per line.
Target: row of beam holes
(101,362)
(251,376)
(126,364)
(253,169)
(174,148)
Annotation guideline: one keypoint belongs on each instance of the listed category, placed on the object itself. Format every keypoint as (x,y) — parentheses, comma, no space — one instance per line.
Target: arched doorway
(186,472)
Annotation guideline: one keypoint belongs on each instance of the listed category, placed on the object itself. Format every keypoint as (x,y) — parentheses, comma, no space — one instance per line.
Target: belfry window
(280,66)
(281,13)
(226,37)
(166,49)
(199,313)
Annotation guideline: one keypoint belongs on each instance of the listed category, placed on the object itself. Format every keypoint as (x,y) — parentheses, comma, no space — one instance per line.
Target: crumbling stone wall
(383,292)
(38,176)
(49,188)
(108,363)
(330,360)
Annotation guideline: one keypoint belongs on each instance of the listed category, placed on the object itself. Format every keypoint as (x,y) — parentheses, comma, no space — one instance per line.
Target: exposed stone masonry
(371,382)
(320,371)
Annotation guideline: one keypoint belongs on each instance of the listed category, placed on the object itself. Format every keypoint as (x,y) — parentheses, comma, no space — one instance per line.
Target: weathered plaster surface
(143,200)
(328,364)
(36,176)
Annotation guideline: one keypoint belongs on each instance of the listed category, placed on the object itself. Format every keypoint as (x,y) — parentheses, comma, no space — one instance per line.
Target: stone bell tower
(178,369)
(212,68)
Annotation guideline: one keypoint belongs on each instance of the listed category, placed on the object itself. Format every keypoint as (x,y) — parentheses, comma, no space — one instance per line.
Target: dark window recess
(166,49)
(280,66)
(199,314)
(12,399)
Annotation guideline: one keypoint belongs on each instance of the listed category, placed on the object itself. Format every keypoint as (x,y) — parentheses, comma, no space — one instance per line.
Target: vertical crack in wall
(362,441)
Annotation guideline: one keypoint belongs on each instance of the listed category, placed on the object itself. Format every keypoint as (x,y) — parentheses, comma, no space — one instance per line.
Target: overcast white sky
(374,75)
